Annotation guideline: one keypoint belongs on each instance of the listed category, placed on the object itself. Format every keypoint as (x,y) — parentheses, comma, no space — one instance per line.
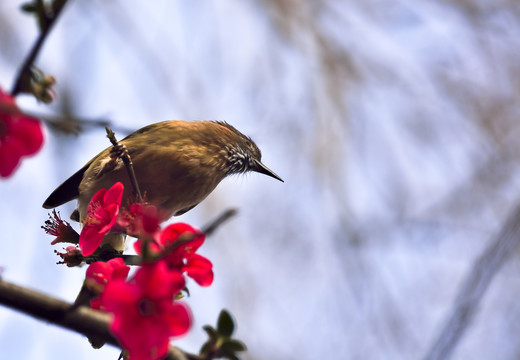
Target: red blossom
(182,257)
(55,226)
(145,314)
(71,257)
(20,135)
(101,216)
(100,273)
(199,269)
(140,220)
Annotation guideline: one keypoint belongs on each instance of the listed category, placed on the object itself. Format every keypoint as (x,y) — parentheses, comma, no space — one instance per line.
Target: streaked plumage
(177,164)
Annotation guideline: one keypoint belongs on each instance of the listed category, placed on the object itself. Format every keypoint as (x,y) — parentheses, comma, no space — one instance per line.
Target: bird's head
(242,155)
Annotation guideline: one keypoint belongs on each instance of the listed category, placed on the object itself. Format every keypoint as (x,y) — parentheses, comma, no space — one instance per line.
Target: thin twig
(65,124)
(474,287)
(225,216)
(207,230)
(28,63)
(125,156)
(74,125)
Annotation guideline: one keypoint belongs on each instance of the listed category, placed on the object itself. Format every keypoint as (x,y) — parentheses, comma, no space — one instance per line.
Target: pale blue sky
(358,255)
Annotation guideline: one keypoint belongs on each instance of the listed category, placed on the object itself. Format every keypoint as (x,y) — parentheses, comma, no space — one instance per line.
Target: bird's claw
(117,151)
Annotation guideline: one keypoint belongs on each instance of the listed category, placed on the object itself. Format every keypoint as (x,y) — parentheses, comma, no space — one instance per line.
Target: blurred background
(394,125)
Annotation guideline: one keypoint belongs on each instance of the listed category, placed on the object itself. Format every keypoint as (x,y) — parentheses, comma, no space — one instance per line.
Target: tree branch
(24,70)
(75,125)
(475,286)
(80,319)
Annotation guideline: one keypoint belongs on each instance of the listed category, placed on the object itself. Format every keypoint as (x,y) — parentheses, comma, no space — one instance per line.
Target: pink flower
(101,216)
(140,220)
(182,257)
(145,314)
(199,269)
(61,229)
(100,273)
(20,135)
(71,257)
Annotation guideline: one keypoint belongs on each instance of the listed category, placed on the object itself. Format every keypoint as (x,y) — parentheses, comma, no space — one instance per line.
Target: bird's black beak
(261,168)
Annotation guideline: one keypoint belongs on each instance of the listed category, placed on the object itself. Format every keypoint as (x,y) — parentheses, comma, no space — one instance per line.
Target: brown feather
(177,164)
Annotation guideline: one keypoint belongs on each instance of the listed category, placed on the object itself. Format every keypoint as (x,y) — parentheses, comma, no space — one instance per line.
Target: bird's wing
(67,191)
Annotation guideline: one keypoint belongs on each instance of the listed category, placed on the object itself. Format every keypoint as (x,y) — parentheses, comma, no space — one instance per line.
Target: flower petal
(158,282)
(9,157)
(20,135)
(89,240)
(179,319)
(114,194)
(199,269)
(28,132)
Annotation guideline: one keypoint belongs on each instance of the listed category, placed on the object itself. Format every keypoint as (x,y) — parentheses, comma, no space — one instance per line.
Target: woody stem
(49,21)
(125,156)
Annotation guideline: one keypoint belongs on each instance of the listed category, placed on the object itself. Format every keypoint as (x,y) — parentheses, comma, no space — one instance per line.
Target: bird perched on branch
(177,164)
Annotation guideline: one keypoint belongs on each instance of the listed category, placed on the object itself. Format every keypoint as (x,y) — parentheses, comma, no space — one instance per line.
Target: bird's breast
(171,179)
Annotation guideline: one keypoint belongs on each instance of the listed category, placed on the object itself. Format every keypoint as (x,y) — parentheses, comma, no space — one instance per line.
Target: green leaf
(233,346)
(229,348)
(212,333)
(220,343)
(225,324)
(206,348)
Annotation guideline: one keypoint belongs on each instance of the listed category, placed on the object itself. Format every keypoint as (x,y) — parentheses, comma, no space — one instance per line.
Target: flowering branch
(206,230)
(80,319)
(47,20)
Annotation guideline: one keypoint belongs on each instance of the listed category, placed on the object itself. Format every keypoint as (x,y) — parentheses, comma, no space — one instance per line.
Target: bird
(177,165)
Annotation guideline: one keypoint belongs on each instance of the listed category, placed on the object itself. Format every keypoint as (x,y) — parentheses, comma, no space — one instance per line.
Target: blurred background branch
(394,124)
(47,14)
(474,287)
